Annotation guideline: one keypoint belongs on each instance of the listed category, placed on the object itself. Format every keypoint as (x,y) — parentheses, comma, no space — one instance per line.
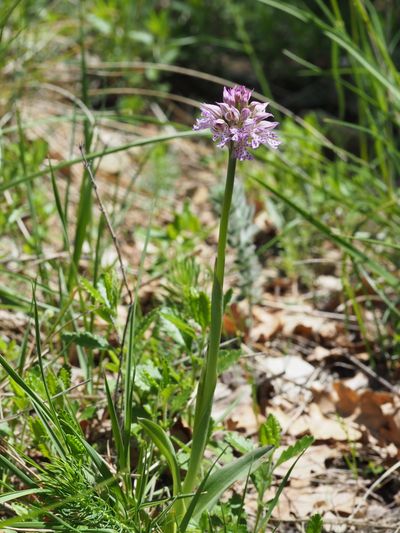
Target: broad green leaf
(239,442)
(183,327)
(164,444)
(147,376)
(227,358)
(218,482)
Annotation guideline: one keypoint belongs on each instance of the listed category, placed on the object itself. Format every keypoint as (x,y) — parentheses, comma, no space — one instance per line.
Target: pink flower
(237,121)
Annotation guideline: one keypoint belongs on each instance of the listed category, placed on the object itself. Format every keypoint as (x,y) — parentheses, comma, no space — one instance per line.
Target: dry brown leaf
(347,399)
(267,324)
(323,427)
(305,501)
(377,411)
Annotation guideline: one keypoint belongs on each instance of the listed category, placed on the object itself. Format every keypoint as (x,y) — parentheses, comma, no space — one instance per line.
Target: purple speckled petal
(240,122)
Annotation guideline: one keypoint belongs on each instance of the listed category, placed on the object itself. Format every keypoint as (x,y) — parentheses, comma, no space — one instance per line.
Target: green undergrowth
(98,382)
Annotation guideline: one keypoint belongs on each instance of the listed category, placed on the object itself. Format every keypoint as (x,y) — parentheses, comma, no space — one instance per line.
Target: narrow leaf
(164,444)
(9,496)
(354,252)
(220,481)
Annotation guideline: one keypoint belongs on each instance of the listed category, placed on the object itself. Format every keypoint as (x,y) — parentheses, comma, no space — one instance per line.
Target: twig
(375,484)
(108,222)
(369,372)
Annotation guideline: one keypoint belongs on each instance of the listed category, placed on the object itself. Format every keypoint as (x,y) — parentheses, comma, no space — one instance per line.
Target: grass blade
(354,252)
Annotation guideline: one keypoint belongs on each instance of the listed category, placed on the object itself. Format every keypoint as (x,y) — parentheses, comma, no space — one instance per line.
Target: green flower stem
(208,378)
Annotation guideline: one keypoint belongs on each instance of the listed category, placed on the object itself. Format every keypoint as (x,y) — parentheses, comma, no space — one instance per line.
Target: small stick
(108,222)
(370,373)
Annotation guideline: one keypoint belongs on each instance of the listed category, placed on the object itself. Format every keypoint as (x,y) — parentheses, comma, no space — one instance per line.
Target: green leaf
(227,298)
(298,448)
(275,500)
(8,465)
(9,496)
(315,524)
(85,339)
(94,293)
(75,445)
(218,482)
(64,375)
(164,444)
(227,358)
(46,416)
(184,328)
(147,376)
(270,432)
(111,287)
(115,425)
(239,442)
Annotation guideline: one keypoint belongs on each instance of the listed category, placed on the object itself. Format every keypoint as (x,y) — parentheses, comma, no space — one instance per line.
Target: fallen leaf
(267,325)
(323,427)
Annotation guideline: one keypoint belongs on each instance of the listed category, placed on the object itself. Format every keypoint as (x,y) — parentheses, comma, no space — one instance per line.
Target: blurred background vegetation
(330,70)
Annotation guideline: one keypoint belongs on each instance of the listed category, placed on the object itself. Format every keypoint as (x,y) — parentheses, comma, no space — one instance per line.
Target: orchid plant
(238,124)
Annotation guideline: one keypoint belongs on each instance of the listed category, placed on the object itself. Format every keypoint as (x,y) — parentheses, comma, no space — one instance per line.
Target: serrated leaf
(296,449)
(315,524)
(227,358)
(64,375)
(52,383)
(111,286)
(67,421)
(85,339)
(94,293)
(270,431)
(144,323)
(147,376)
(239,442)
(75,445)
(200,307)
